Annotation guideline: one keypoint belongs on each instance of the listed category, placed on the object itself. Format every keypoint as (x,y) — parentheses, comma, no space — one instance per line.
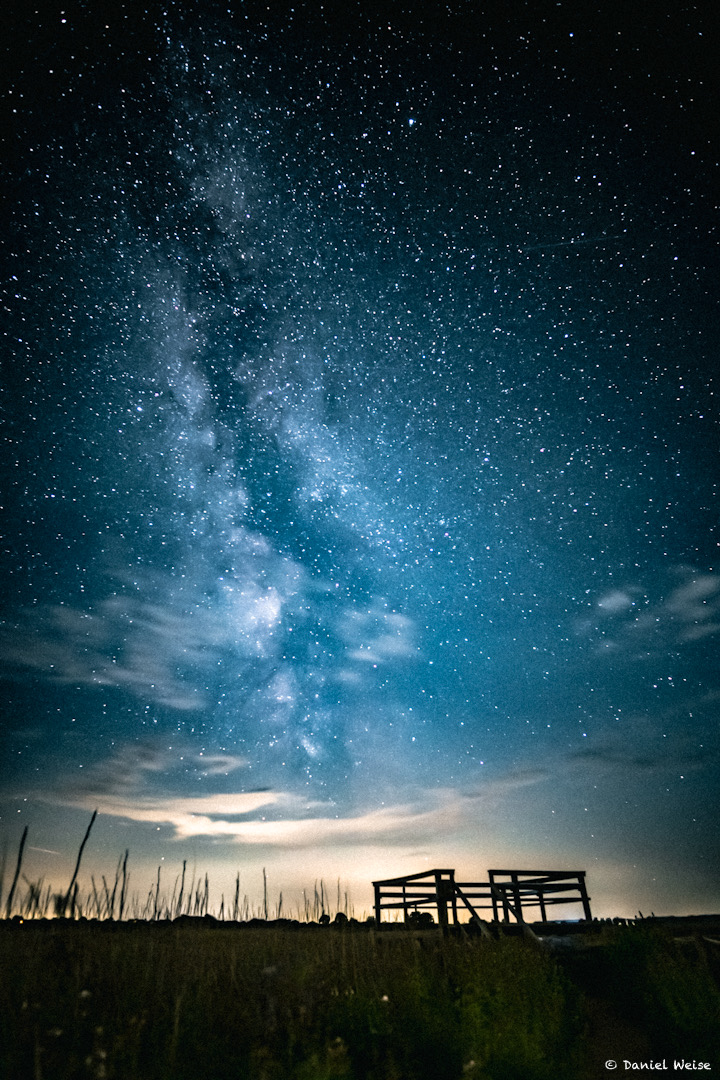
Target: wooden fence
(510,892)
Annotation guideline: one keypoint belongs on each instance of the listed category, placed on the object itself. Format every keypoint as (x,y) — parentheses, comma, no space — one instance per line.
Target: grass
(169,1001)
(667,989)
(151,1002)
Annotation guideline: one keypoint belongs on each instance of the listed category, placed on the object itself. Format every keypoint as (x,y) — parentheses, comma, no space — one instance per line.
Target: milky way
(360,443)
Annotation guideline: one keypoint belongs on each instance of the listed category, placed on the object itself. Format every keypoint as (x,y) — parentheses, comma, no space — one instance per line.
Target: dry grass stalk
(11,894)
(73,883)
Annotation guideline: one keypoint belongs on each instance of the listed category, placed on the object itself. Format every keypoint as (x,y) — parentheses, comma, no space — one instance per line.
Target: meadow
(165,1000)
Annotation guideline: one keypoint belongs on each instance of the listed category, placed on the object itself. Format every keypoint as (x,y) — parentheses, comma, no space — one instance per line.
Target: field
(203,1000)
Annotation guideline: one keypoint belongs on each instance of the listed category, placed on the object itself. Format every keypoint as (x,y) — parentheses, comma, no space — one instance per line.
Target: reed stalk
(11,894)
(157,895)
(3,861)
(124,885)
(73,883)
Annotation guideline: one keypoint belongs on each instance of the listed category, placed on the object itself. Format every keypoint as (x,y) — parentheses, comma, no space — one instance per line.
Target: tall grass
(156,1000)
(665,987)
(154,1003)
(11,894)
(39,900)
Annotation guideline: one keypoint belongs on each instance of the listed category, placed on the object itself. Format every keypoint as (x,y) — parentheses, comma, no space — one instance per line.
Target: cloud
(493,790)
(158,651)
(281,819)
(204,815)
(696,606)
(688,612)
(615,601)
(376,635)
(219,764)
(639,749)
(609,756)
(134,766)
(225,816)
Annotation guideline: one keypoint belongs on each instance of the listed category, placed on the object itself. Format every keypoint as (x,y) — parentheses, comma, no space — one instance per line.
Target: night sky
(359,443)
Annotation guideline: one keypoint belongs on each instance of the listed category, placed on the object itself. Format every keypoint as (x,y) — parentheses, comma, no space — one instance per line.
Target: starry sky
(359,442)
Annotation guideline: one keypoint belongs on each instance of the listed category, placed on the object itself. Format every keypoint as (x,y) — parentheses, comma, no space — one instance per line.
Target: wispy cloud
(695,606)
(226,817)
(137,767)
(157,651)
(615,601)
(608,756)
(631,619)
(282,819)
(162,642)
(493,790)
(205,815)
(639,749)
(377,634)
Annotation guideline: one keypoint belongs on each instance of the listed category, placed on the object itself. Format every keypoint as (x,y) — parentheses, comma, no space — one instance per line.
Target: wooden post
(441,901)
(493,898)
(584,896)
(516,898)
(541,898)
(451,884)
(377,904)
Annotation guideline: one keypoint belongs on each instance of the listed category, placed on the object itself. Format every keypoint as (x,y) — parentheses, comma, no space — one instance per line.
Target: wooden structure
(510,892)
